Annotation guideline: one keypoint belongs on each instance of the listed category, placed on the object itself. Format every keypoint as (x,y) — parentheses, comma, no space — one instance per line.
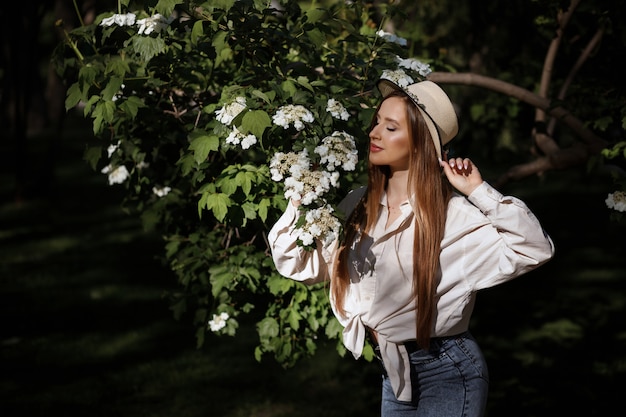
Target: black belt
(411,346)
(435,342)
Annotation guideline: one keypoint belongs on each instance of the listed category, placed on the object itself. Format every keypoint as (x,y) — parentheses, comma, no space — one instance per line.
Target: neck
(397,191)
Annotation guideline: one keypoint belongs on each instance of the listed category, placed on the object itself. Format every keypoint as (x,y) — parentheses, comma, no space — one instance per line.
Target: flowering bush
(616,201)
(212,115)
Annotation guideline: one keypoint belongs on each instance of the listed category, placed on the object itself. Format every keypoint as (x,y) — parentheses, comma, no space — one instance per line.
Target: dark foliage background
(85,327)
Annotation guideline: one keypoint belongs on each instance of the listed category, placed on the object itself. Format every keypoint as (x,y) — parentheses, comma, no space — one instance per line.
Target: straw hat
(435,106)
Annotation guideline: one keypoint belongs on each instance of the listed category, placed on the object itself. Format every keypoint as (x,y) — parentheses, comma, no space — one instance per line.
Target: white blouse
(489,239)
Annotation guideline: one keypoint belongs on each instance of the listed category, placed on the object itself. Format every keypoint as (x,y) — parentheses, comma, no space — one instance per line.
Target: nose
(374,133)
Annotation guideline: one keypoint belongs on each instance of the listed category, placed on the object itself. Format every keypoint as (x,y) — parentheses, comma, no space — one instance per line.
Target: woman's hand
(462,174)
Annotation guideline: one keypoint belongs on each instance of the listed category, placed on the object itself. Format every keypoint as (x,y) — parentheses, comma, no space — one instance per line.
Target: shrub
(199,110)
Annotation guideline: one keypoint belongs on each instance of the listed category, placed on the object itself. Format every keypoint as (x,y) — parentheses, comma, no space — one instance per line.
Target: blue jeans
(448,380)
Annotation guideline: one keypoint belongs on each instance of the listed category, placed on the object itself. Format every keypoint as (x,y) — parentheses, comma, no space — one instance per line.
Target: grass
(85,329)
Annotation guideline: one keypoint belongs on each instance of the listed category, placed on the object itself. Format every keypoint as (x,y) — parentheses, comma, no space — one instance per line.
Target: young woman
(420,240)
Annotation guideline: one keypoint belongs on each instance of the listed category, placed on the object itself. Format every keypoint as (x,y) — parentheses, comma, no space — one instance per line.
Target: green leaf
(289,88)
(284,348)
(219,204)
(312,321)
(317,37)
(103,114)
(266,97)
(603,123)
(117,66)
(249,210)
(333,329)
(186,163)
(315,15)
(278,285)
(197,32)
(202,143)
(166,7)
(132,105)
(147,47)
(311,346)
(112,88)
(92,156)
(88,75)
(255,122)
(105,109)
(268,328)
(368,352)
(244,180)
(220,278)
(294,318)
(223,4)
(262,210)
(304,82)
(228,185)
(222,49)
(97,124)
(258,354)
(89,105)
(74,96)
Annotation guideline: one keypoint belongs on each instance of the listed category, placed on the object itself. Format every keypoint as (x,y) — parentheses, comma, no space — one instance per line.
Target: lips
(374,148)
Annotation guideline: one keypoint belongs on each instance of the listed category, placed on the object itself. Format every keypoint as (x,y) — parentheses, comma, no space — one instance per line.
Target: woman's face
(389,139)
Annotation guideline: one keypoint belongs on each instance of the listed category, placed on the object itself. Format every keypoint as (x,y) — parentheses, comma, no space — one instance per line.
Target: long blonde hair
(429,193)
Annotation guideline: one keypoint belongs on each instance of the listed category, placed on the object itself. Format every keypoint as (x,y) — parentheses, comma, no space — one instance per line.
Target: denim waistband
(435,342)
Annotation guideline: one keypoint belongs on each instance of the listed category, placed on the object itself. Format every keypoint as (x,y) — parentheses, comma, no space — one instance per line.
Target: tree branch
(560,159)
(593,142)
(544,141)
(548,63)
(555,158)
(584,56)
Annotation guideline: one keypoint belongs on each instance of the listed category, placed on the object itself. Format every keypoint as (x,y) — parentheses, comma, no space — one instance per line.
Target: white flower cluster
(218,322)
(337,110)
(292,114)
(616,201)
(155,23)
(398,77)
(288,163)
(415,65)
(117,175)
(112,148)
(227,114)
(310,186)
(301,184)
(161,191)
(320,224)
(338,149)
(238,138)
(231,110)
(127,19)
(390,37)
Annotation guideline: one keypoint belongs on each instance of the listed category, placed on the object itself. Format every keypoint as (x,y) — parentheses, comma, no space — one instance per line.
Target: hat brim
(426,94)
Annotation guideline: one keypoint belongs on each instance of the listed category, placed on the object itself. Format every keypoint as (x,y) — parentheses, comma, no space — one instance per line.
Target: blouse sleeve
(502,241)
(292,260)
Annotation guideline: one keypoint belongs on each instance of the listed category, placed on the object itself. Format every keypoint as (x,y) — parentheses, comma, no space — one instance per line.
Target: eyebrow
(392,120)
